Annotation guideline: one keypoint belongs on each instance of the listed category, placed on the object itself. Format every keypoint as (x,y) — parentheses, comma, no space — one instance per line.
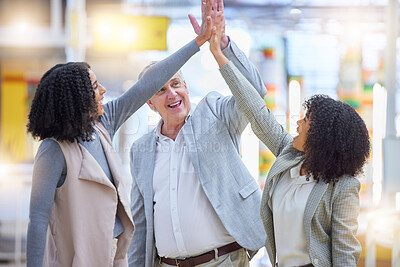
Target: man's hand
(204,31)
(218,6)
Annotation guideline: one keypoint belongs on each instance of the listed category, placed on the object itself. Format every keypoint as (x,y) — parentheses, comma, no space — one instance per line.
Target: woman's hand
(219,7)
(215,40)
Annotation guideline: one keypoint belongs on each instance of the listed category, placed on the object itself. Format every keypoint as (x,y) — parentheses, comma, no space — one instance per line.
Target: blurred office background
(346,49)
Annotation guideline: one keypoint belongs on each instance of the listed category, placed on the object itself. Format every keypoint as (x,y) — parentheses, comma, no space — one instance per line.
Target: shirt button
(176,230)
(173,188)
(173,169)
(173,209)
(316,261)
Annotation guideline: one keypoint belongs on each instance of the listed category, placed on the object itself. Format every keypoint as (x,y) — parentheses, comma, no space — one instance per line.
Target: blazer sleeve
(346,249)
(263,122)
(225,108)
(246,67)
(137,248)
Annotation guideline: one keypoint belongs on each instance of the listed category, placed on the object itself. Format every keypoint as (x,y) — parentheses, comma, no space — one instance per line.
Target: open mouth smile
(175,104)
(100,103)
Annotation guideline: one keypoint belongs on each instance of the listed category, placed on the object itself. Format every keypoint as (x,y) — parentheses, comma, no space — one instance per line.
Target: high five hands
(216,6)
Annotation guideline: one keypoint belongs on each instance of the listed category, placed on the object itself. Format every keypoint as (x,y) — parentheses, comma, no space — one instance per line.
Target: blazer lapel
(148,173)
(287,159)
(311,206)
(114,163)
(145,158)
(282,164)
(91,170)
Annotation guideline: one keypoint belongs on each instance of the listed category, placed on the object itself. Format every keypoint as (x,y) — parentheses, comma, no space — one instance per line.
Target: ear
(151,105)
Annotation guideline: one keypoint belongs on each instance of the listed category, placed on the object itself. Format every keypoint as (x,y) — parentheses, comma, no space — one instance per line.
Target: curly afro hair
(337,141)
(64,105)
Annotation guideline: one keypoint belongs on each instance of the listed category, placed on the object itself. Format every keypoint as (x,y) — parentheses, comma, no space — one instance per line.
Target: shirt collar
(302,179)
(295,171)
(158,128)
(160,124)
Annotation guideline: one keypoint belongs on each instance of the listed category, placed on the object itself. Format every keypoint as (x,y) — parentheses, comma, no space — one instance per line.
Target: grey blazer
(212,135)
(330,218)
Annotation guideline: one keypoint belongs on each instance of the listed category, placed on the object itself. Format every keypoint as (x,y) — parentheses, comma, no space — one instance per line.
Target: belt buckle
(177,263)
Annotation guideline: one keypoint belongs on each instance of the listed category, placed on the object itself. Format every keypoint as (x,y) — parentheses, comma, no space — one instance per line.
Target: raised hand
(215,40)
(204,31)
(217,6)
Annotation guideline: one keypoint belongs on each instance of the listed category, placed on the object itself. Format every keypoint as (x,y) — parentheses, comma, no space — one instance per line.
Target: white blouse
(289,198)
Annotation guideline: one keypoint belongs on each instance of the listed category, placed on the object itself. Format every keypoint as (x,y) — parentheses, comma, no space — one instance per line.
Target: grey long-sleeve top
(50,168)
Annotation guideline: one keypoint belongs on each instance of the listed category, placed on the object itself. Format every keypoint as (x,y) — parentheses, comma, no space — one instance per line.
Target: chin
(295,146)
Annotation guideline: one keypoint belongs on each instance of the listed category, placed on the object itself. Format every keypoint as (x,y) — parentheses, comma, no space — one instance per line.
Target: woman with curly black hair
(311,196)
(77,188)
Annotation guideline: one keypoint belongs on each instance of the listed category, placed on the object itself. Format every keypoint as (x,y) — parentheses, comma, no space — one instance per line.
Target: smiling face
(99,91)
(302,129)
(172,102)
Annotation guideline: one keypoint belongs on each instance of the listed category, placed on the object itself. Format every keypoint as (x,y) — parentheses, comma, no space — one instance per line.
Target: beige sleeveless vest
(83,215)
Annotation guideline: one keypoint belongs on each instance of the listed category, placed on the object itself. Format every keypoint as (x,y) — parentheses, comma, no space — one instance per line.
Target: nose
(171,93)
(102,89)
(298,122)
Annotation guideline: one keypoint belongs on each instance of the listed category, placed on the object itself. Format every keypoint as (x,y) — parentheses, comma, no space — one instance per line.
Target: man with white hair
(193,200)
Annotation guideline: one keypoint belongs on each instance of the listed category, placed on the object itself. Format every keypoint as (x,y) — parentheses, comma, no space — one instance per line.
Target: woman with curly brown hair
(311,196)
(77,188)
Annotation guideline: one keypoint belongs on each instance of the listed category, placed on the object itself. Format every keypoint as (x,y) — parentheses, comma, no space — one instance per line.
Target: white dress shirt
(185,223)
(289,198)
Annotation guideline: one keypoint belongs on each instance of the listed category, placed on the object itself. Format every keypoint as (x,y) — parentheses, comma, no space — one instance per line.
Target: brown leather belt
(203,258)
(307,265)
